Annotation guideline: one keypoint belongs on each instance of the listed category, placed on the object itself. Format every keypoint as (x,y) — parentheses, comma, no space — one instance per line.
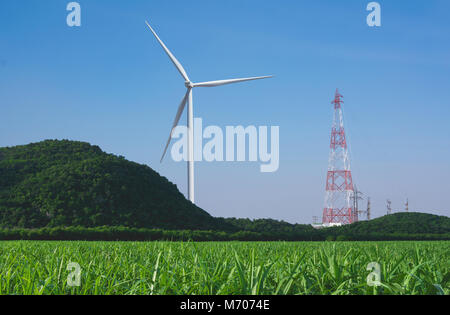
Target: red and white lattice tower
(338,208)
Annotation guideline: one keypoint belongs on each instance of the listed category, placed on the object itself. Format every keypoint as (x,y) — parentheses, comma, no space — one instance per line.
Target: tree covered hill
(68,183)
(398,223)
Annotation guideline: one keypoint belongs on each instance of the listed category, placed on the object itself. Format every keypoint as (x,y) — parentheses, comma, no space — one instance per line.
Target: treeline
(141,234)
(268,226)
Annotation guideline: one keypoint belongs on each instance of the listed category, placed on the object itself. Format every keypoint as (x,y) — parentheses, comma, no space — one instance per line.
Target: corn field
(229,268)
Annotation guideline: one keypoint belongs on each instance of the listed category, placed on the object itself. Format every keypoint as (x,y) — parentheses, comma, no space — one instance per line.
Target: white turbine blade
(224,82)
(171,56)
(176,121)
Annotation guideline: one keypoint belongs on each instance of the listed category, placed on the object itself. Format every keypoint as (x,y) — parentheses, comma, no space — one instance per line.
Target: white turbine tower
(190,114)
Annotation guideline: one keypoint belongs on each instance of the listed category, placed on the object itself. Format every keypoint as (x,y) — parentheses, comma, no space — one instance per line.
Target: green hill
(399,226)
(402,223)
(68,183)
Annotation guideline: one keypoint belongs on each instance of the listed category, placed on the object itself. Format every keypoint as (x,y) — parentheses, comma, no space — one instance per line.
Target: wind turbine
(187,99)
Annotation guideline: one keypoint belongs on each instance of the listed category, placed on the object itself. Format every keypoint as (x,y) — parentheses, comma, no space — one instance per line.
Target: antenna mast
(368,209)
(389,206)
(338,208)
(356,198)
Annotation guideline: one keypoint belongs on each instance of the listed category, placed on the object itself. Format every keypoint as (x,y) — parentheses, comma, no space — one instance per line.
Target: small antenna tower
(407,205)
(315,220)
(368,209)
(389,206)
(356,198)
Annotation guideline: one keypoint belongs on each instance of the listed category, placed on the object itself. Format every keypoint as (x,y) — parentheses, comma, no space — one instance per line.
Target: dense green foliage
(224,268)
(405,223)
(70,190)
(394,227)
(67,183)
(108,233)
(266,226)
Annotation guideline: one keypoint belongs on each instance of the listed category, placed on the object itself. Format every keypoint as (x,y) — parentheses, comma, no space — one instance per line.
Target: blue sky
(109,83)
